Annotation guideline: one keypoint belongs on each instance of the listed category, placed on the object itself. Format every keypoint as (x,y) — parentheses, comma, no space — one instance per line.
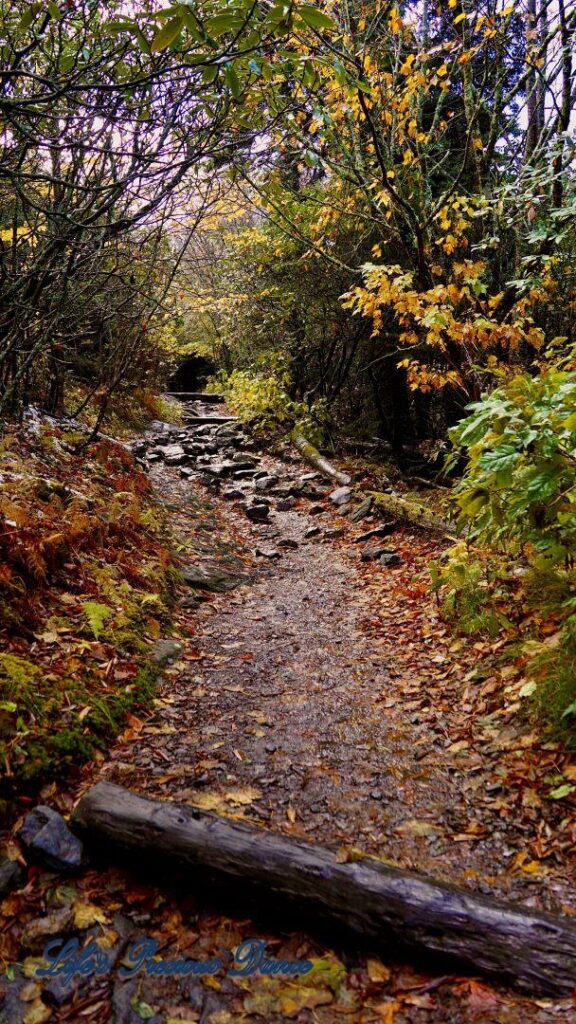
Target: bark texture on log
(408,511)
(313,456)
(384,905)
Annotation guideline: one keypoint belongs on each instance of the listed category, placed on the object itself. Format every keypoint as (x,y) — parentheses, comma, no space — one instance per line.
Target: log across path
(313,456)
(388,907)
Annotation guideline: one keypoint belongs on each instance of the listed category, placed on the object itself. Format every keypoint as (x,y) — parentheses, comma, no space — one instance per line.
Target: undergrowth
(531,612)
(515,578)
(131,411)
(262,400)
(86,583)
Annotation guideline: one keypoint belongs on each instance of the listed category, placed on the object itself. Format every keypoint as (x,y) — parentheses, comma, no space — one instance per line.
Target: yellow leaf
(531,868)
(32,990)
(390,174)
(377,971)
(38,1013)
(87,914)
(31,965)
(304,998)
(207,801)
(416,827)
(243,796)
(328,973)
(387,1012)
(108,939)
(290,1007)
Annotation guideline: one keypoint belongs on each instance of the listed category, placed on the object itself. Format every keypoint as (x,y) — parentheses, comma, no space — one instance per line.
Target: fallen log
(313,456)
(407,510)
(384,905)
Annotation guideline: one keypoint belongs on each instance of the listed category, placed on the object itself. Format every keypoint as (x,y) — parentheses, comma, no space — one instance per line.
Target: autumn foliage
(84,584)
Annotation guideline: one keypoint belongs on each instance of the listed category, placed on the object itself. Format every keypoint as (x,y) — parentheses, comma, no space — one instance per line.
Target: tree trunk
(532,86)
(386,906)
(313,456)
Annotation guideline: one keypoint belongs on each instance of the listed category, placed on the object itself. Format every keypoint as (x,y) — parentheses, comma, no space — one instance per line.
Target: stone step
(196,420)
(196,396)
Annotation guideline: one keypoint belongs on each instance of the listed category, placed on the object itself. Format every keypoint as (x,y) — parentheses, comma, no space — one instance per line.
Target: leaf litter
(324,699)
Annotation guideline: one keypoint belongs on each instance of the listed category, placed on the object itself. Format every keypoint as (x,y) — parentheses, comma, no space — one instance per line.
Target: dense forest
(355,224)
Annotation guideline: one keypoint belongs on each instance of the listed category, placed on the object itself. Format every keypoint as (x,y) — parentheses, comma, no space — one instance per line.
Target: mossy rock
(206,579)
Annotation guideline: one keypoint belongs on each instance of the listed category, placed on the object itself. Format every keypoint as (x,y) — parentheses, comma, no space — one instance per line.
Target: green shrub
(263,401)
(517,504)
(519,489)
(469,590)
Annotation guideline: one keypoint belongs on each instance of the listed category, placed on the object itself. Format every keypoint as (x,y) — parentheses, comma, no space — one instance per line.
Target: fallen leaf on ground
(377,971)
(88,914)
(38,1013)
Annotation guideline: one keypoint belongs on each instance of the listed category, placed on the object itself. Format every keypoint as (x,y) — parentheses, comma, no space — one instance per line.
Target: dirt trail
(318,697)
(289,686)
(331,687)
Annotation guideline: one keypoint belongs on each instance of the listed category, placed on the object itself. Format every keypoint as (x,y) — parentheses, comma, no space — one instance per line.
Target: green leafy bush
(263,401)
(519,489)
(517,504)
(469,590)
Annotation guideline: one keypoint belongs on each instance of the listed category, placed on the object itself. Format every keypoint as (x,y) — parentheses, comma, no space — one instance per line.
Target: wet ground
(321,697)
